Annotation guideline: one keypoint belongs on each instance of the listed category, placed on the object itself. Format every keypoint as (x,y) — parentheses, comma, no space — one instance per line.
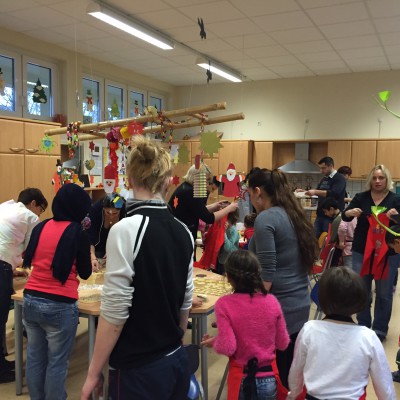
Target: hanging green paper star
(210,142)
(382,100)
(183,154)
(46,144)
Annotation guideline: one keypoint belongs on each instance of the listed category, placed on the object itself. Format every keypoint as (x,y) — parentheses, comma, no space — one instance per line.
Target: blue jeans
(266,389)
(51,329)
(383,298)
(165,379)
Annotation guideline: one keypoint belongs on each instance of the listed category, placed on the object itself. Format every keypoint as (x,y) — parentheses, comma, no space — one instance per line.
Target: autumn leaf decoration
(210,143)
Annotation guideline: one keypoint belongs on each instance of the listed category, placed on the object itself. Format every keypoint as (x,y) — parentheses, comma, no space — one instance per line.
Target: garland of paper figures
(72,138)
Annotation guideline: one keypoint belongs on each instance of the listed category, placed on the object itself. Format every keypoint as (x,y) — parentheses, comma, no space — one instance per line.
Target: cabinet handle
(32,150)
(16,149)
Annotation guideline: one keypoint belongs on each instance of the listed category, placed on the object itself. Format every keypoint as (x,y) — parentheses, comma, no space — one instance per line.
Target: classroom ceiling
(261,39)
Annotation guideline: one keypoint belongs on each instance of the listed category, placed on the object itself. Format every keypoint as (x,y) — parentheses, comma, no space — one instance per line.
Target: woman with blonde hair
(286,247)
(377,193)
(190,210)
(149,267)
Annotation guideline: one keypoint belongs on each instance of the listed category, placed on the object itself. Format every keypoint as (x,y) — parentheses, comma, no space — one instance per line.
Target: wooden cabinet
(22,163)
(340,151)
(34,133)
(387,153)
(239,152)
(363,157)
(262,154)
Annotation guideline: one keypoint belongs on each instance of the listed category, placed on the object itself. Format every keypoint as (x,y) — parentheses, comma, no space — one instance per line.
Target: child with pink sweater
(251,327)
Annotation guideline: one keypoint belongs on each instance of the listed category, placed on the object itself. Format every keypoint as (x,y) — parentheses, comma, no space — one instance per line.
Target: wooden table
(90,311)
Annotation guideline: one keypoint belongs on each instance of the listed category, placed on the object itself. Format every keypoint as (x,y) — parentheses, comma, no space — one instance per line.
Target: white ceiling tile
(253,8)
(362,53)
(281,60)
(293,68)
(323,65)
(213,12)
(234,28)
(394,59)
(296,74)
(250,41)
(384,25)
(48,35)
(210,45)
(267,51)
(110,43)
(81,47)
(315,46)
(277,22)
(51,2)
(130,6)
(366,62)
(182,3)
(9,6)
(246,63)
(327,56)
(165,19)
(374,67)
(331,71)
(392,50)
(355,28)
(79,31)
(52,17)
(355,42)
(383,8)
(16,24)
(338,13)
(231,55)
(323,3)
(390,38)
(259,73)
(297,35)
(187,34)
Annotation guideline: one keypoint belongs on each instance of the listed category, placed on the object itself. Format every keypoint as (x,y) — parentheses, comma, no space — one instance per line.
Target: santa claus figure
(109,178)
(231,182)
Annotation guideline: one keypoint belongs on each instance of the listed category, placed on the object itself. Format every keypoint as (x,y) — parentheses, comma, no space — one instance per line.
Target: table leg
(18,346)
(204,355)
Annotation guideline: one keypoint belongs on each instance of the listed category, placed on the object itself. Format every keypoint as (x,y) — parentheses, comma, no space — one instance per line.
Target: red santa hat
(109,172)
(231,166)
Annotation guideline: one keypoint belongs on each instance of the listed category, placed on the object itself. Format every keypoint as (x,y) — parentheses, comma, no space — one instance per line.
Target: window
(157,101)
(114,101)
(136,102)
(7,84)
(38,90)
(91,105)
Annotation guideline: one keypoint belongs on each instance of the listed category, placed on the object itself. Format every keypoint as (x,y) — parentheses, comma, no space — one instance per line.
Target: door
(363,157)
(340,151)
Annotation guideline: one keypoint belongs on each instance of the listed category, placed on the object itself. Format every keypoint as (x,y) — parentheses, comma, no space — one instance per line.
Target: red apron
(213,241)
(376,256)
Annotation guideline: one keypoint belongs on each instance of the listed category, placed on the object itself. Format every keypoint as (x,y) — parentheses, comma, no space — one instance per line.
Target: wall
(337,107)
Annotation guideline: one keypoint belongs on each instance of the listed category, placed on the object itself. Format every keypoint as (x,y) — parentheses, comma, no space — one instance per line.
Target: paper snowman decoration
(109,178)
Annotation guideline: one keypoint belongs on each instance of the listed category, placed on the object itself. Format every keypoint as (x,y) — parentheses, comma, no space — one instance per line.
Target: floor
(79,362)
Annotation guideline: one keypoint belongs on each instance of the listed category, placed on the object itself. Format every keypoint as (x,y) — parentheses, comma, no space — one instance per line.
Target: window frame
(101,82)
(109,82)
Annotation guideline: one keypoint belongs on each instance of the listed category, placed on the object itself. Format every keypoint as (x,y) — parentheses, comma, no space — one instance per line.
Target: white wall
(337,107)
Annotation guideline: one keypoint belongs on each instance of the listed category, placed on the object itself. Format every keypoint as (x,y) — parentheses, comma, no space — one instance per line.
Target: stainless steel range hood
(301,163)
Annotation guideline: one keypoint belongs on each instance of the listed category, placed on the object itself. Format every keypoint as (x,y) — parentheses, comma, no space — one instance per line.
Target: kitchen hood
(301,163)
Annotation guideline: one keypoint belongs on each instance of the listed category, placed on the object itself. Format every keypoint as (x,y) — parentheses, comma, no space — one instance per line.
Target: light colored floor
(79,361)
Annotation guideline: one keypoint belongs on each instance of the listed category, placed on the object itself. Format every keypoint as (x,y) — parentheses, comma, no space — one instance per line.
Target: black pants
(6,290)
(284,360)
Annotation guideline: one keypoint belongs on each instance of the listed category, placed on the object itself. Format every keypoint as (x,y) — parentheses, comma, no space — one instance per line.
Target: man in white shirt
(17,220)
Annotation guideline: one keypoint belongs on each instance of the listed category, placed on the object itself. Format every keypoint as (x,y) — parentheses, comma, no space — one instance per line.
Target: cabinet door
(11,136)
(262,154)
(11,176)
(387,153)
(34,133)
(363,157)
(39,171)
(340,151)
(240,153)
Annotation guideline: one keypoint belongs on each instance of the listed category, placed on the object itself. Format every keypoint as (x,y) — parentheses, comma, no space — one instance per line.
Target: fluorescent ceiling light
(219,70)
(130,26)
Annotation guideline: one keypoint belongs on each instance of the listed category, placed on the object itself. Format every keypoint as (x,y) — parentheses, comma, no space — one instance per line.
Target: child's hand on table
(207,340)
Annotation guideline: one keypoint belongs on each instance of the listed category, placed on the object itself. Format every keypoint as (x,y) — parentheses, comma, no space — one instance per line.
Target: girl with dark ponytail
(285,245)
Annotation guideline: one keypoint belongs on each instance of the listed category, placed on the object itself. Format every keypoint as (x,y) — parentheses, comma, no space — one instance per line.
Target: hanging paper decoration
(200,183)
(89,100)
(135,128)
(56,181)
(110,178)
(72,138)
(89,165)
(1,83)
(114,135)
(136,108)
(382,100)
(175,180)
(210,143)
(115,113)
(47,144)
(183,154)
(152,110)
(176,202)
(231,182)
(39,96)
